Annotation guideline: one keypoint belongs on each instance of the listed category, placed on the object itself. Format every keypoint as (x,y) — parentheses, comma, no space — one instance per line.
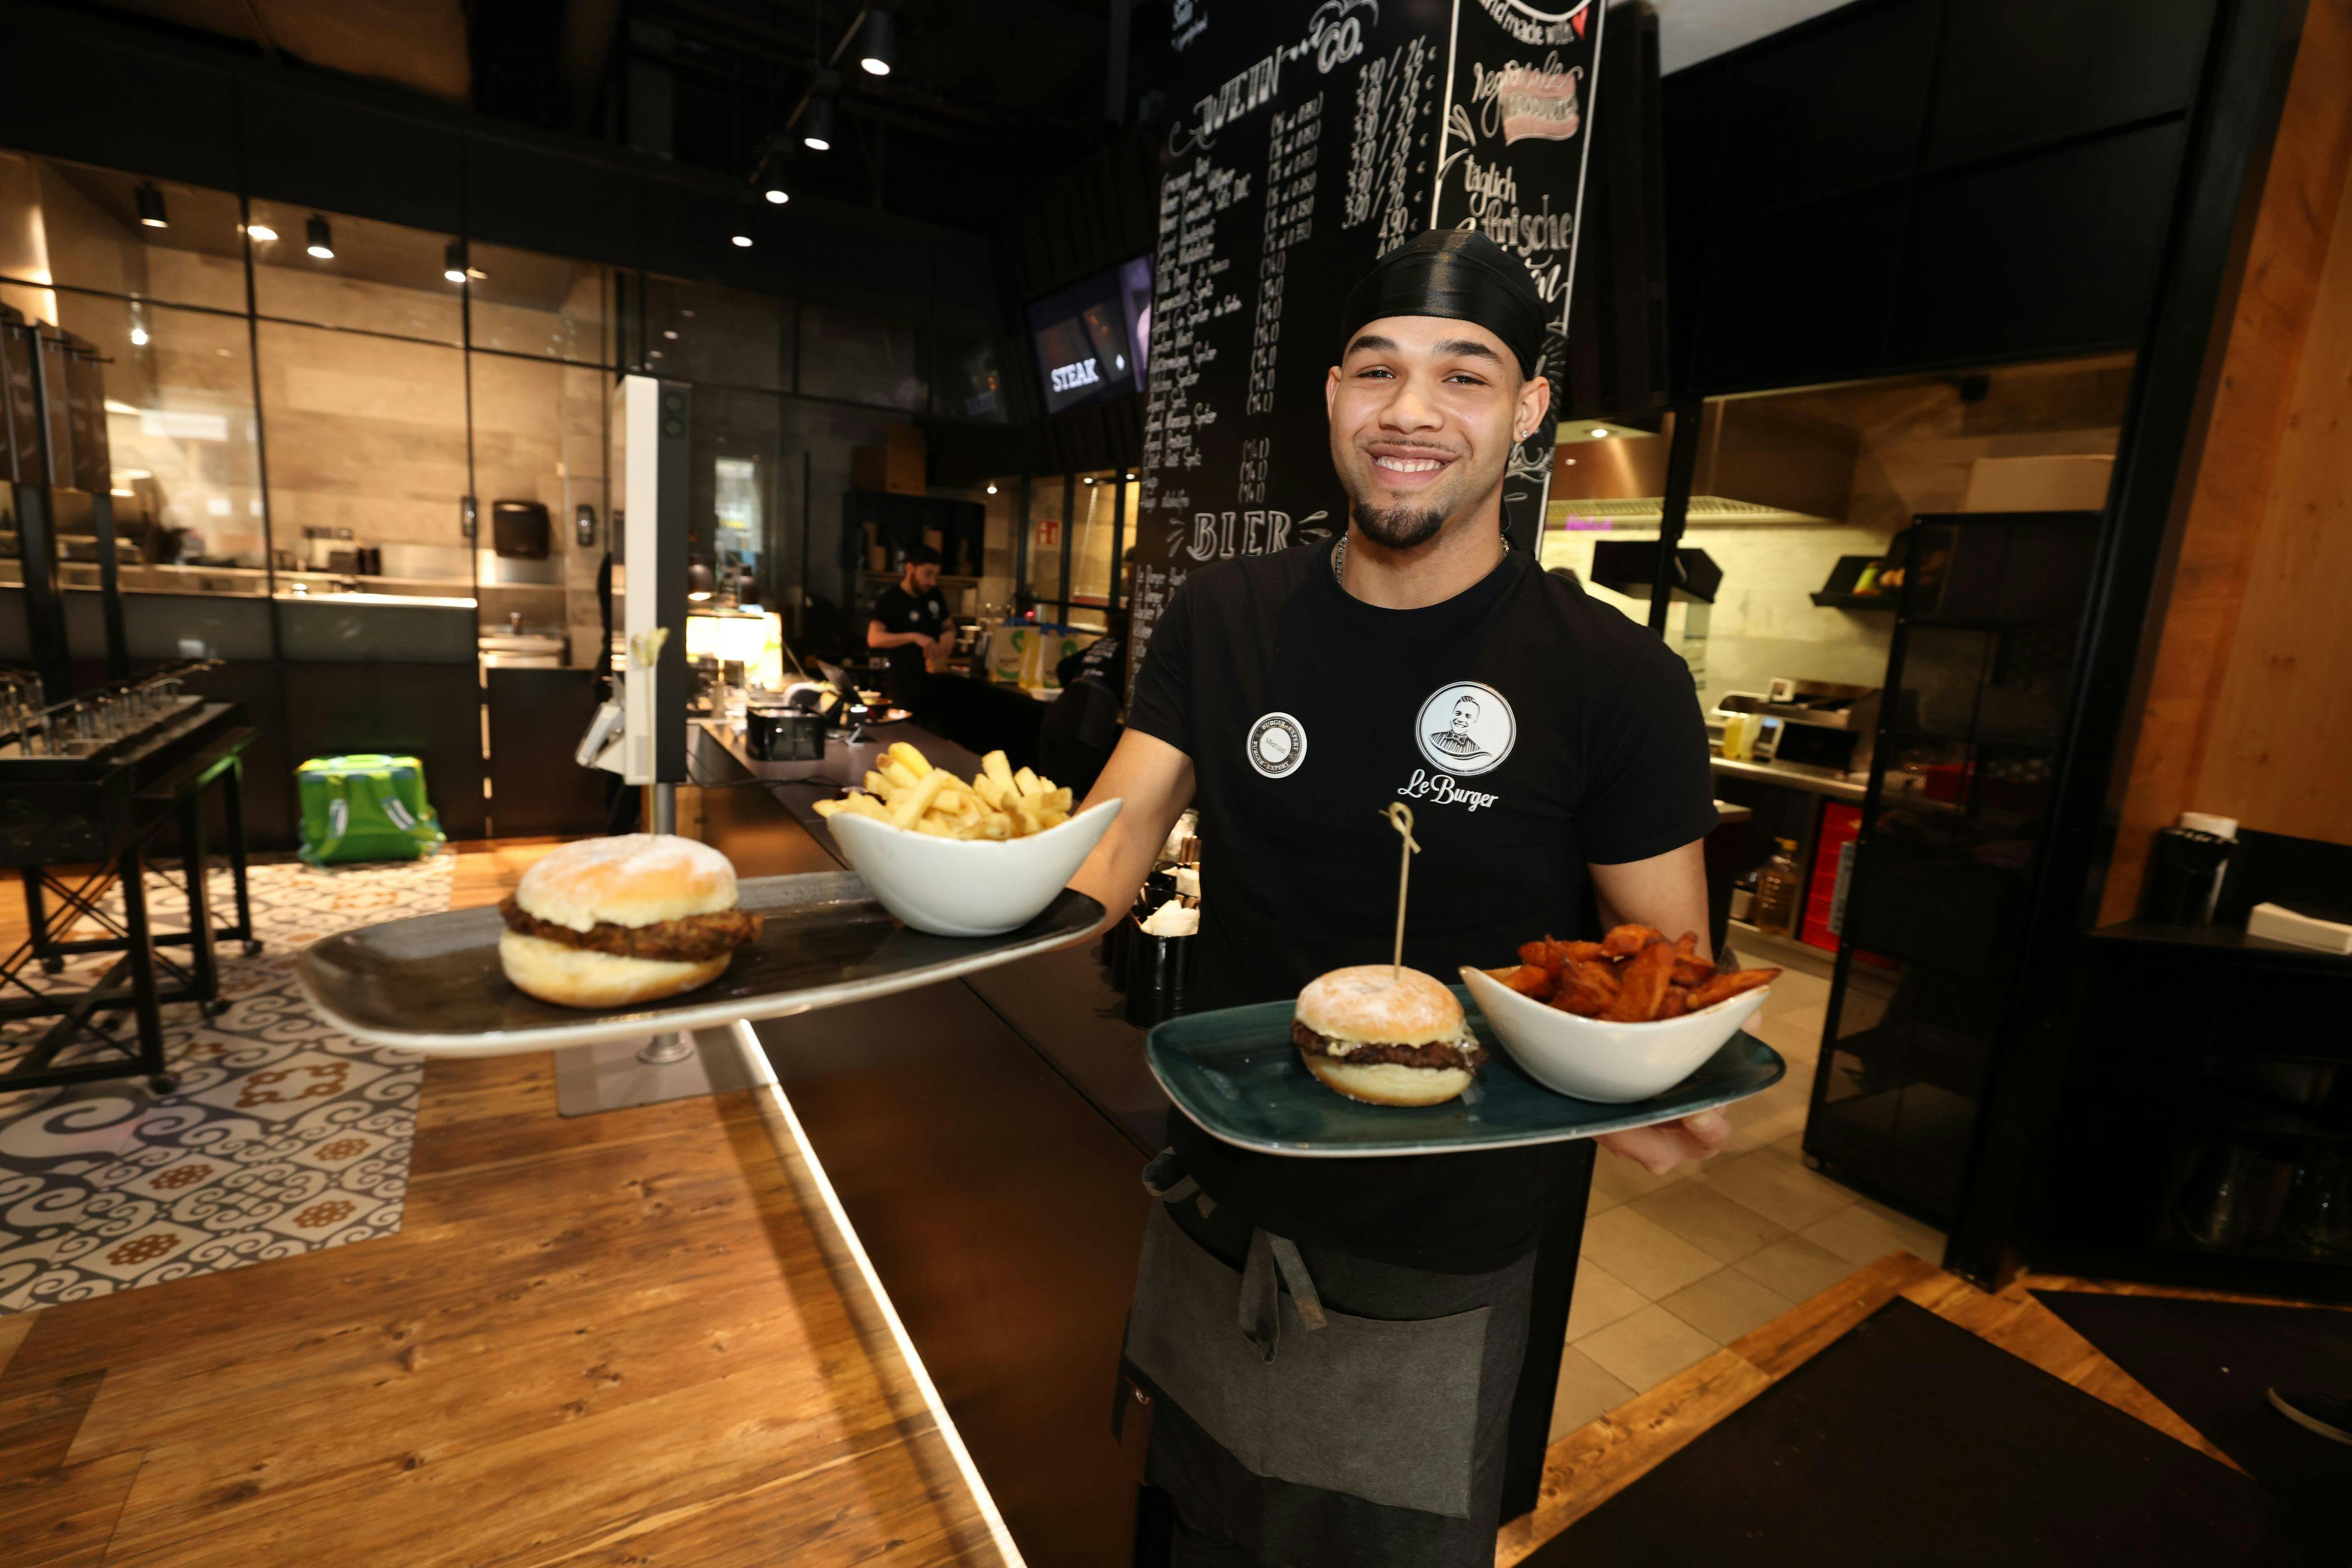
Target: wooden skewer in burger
(1382,1033)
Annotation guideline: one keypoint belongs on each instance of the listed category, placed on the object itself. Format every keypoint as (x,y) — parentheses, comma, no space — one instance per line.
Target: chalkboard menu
(1304,142)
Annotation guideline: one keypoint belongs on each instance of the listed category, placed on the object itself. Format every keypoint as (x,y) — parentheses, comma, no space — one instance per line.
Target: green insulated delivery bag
(365,807)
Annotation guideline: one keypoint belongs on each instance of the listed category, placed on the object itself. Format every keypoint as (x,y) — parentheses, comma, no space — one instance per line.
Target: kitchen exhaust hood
(1753,467)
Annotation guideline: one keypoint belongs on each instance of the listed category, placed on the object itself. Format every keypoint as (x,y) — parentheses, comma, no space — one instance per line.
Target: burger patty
(1436,1054)
(695,939)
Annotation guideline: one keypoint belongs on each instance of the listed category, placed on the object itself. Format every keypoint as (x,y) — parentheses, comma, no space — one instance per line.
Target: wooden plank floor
(615,1338)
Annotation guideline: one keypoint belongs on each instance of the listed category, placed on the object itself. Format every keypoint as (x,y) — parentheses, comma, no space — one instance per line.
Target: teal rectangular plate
(1236,1072)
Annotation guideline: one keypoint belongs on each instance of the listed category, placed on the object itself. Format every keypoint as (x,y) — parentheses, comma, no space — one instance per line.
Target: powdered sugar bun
(1364,1004)
(635,879)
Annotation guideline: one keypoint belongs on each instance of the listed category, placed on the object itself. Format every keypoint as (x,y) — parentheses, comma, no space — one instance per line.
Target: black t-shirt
(1531,729)
(899,611)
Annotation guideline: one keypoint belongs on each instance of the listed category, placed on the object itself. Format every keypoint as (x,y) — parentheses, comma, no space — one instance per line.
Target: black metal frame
(2236,119)
(178,796)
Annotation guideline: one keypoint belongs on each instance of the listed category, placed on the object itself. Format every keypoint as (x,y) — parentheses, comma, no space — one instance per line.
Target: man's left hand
(1660,1148)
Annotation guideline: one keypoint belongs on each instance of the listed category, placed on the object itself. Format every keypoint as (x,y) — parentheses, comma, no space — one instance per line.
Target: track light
(260,232)
(880,46)
(322,241)
(150,205)
(817,123)
(453,261)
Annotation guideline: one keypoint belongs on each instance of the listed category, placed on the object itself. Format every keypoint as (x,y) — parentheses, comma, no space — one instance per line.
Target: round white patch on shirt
(1278,745)
(1465,729)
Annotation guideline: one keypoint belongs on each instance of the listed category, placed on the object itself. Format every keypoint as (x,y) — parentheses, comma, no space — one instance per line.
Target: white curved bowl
(1611,1063)
(978,887)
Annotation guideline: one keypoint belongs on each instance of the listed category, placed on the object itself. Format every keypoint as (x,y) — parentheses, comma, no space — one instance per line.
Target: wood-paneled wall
(2246,711)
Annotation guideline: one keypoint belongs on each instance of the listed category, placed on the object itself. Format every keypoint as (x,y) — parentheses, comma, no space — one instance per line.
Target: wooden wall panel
(2300,264)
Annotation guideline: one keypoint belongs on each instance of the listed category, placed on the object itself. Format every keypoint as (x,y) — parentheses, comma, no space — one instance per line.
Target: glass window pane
(180,428)
(367,446)
(968,383)
(525,303)
(376,277)
(539,436)
(1046,523)
(695,332)
(858,358)
(81,228)
(1090,545)
(732,498)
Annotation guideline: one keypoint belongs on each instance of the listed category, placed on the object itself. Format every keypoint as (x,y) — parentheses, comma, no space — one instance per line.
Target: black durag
(1459,274)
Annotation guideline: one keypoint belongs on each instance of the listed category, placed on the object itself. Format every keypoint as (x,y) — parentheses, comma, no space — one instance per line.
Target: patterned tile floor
(1676,1266)
(282,1137)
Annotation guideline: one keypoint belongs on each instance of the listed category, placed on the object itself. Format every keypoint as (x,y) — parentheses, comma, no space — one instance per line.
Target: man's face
(926,577)
(1424,413)
(1464,711)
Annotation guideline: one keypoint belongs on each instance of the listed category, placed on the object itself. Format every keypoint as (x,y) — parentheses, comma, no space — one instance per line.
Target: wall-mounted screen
(1090,337)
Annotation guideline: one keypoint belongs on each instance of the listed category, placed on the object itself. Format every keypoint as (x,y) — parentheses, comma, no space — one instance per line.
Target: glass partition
(546,306)
(1046,523)
(856,358)
(700,332)
(336,271)
(366,447)
(80,227)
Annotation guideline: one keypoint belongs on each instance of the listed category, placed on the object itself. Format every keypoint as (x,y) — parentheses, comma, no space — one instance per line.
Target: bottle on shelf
(1774,908)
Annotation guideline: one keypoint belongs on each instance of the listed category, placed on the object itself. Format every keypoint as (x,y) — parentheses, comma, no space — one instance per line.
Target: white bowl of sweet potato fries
(960,857)
(1619,1020)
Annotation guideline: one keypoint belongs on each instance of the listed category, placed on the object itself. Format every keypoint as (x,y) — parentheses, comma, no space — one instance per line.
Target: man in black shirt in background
(1543,740)
(911,619)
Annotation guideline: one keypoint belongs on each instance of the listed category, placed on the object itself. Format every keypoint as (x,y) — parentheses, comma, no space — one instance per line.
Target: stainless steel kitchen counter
(1790,778)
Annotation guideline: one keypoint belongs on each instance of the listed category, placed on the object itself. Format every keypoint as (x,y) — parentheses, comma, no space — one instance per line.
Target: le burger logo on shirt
(1465,729)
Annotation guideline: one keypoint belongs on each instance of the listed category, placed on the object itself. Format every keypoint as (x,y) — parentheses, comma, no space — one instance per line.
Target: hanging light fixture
(150,205)
(699,582)
(740,240)
(260,233)
(816,122)
(777,196)
(881,48)
(321,240)
(453,261)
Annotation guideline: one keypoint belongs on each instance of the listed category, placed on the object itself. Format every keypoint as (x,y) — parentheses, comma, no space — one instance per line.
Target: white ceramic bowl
(1611,1063)
(978,887)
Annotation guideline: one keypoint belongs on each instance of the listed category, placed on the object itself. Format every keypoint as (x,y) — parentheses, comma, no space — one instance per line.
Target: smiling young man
(1331,1347)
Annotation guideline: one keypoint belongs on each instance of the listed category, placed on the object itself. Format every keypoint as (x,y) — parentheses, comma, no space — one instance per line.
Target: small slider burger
(1385,1036)
(605,922)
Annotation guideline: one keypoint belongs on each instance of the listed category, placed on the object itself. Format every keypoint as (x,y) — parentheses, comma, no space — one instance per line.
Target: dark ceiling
(986,102)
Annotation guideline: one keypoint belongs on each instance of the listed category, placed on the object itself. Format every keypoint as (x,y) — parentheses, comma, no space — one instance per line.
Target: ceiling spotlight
(991,489)
(139,337)
(453,261)
(777,196)
(150,205)
(322,241)
(817,123)
(261,232)
(875,56)
(1599,433)
(742,241)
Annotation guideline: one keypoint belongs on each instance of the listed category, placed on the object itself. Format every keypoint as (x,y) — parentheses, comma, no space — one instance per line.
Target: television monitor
(1088,337)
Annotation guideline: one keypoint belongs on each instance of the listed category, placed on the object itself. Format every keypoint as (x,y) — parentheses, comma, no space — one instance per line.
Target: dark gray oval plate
(1236,1073)
(433,984)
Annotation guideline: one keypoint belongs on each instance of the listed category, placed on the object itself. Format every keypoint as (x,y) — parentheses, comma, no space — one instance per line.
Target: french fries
(906,791)
(1631,976)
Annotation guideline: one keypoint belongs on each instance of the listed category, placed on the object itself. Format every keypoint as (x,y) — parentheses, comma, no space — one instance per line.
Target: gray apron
(1308,1407)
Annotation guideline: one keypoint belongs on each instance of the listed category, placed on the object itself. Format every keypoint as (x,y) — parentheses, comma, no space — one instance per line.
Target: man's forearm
(1153,782)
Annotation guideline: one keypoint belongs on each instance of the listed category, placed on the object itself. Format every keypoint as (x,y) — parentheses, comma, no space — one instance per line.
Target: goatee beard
(1399,527)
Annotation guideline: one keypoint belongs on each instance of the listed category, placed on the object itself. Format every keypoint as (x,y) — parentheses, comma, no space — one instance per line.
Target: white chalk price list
(1186,301)
(1293,141)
